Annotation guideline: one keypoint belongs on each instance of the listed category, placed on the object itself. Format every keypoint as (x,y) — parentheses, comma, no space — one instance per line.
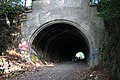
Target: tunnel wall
(75,12)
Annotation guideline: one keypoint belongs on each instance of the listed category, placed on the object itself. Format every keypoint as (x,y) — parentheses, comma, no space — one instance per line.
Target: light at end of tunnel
(80,55)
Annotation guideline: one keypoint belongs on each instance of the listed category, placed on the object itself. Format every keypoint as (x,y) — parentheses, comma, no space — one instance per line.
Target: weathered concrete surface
(75,12)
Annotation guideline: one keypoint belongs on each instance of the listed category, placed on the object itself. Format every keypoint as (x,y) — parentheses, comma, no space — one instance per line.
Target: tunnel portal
(60,42)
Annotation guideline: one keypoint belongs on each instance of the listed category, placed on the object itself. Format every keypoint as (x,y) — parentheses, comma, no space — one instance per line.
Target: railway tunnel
(60,42)
(58,29)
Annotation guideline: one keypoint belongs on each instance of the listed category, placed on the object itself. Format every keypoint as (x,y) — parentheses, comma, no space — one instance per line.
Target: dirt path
(61,71)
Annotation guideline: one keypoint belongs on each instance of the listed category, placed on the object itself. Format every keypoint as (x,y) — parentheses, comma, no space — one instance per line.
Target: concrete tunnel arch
(60,40)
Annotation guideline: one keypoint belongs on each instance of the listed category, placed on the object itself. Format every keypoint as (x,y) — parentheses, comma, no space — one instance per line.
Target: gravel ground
(61,71)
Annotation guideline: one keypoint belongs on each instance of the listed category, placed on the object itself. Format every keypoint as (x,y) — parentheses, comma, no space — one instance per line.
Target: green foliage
(110,9)
(34,58)
(110,52)
(12,6)
(110,56)
(5,39)
(43,57)
(10,9)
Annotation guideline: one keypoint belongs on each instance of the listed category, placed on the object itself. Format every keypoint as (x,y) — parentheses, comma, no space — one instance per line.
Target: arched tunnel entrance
(60,42)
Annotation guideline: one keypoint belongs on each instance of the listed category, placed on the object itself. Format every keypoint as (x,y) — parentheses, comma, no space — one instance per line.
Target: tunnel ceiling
(60,40)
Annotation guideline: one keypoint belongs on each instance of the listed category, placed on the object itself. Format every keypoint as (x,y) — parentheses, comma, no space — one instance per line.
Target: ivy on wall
(110,52)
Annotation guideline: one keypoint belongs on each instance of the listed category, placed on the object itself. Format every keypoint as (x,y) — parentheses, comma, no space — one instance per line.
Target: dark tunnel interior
(60,42)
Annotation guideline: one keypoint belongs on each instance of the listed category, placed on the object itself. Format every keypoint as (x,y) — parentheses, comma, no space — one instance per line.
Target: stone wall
(71,11)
